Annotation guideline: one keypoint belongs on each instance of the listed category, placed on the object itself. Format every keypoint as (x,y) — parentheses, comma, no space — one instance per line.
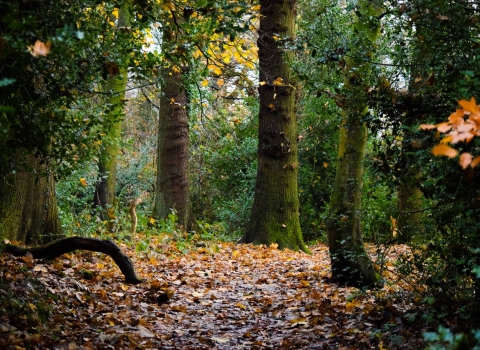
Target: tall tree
(172,186)
(350,262)
(275,212)
(115,86)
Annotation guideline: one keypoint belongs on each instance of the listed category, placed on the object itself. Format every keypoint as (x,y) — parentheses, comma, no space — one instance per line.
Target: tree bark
(409,201)
(172,189)
(57,248)
(107,164)
(275,212)
(351,264)
(28,204)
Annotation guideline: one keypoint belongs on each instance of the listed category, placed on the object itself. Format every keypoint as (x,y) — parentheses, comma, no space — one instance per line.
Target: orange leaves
(39,48)
(443,150)
(239,294)
(462,126)
(469,106)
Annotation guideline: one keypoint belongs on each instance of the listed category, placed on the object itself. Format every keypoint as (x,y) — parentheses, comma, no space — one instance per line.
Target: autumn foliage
(462,126)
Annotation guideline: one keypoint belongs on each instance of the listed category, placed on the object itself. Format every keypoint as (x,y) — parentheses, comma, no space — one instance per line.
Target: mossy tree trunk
(275,212)
(409,203)
(409,194)
(351,264)
(172,188)
(107,164)
(28,205)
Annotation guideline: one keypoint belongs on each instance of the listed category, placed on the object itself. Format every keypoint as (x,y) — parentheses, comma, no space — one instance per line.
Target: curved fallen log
(57,248)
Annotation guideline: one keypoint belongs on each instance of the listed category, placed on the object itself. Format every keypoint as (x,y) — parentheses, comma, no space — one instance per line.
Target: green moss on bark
(275,212)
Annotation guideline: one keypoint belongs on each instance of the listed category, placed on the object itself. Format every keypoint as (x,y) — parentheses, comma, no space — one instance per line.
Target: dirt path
(217,296)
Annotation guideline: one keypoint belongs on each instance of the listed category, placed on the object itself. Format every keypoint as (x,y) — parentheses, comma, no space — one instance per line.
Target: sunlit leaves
(443,150)
(462,126)
(40,48)
(465,160)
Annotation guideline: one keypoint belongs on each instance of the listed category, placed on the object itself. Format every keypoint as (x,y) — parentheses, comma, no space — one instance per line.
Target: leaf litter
(215,296)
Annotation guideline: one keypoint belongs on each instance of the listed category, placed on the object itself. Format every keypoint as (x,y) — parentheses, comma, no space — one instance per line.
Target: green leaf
(7,81)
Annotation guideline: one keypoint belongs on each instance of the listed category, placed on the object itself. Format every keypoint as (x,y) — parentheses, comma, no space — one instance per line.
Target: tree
(275,212)
(350,262)
(28,205)
(51,60)
(172,186)
(115,86)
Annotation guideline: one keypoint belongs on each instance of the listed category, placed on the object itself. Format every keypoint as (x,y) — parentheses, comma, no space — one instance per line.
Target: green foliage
(379,206)
(225,153)
(50,111)
(444,339)
(317,157)
(75,201)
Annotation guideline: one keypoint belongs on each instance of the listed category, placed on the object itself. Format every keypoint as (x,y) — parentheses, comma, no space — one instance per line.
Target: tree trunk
(172,189)
(409,201)
(28,204)
(57,248)
(275,212)
(107,164)
(409,193)
(350,262)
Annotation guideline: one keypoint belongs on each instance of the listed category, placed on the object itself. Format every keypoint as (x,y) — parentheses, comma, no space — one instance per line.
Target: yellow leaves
(444,150)
(241,306)
(111,213)
(394,226)
(215,69)
(204,82)
(40,48)
(304,283)
(168,6)
(83,182)
(278,81)
(325,165)
(220,82)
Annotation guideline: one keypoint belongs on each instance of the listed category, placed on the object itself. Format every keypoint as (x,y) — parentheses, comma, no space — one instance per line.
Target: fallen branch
(57,248)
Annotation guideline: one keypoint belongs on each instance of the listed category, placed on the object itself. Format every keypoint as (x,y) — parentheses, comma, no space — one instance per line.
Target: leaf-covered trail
(218,296)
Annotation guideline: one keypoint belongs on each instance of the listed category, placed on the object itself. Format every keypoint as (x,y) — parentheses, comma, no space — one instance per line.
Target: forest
(261,174)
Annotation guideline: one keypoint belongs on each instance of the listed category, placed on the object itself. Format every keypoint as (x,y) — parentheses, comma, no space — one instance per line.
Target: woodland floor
(215,296)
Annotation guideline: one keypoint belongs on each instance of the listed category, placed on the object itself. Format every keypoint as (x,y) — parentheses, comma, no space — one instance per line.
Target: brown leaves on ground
(216,296)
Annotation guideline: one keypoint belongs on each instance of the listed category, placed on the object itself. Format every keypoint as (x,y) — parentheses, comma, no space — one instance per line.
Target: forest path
(215,296)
